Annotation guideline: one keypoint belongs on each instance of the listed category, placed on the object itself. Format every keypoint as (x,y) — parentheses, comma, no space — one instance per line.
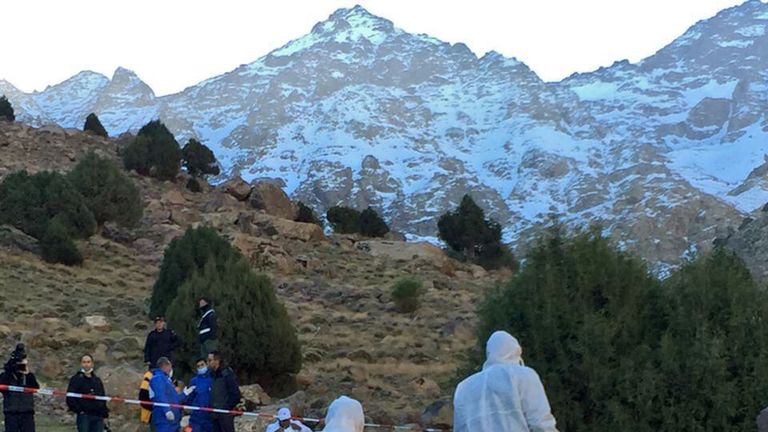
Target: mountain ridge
(358,112)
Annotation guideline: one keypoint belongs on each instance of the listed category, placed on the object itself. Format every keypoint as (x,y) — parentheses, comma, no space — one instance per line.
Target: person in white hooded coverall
(344,415)
(505,396)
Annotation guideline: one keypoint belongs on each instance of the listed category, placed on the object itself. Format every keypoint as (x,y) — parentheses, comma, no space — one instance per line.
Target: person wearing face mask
(162,390)
(505,396)
(207,327)
(90,414)
(199,394)
(18,408)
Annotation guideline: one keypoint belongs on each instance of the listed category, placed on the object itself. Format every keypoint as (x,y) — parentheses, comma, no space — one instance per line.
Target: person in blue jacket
(199,394)
(162,390)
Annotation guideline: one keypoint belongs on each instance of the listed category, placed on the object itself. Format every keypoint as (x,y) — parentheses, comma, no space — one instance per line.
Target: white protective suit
(505,396)
(344,415)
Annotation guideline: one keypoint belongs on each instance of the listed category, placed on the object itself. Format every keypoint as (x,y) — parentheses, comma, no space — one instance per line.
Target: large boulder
(13,239)
(273,200)
(236,187)
(298,230)
(404,251)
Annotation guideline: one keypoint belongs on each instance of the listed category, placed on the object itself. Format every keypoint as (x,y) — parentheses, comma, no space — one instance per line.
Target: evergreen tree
(589,319)
(57,245)
(371,224)
(108,193)
(307,215)
(93,125)
(713,354)
(468,232)
(30,202)
(6,110)
(154,152)
(256,332)
(184,256)
(618,350)
(198,159)
(344,220)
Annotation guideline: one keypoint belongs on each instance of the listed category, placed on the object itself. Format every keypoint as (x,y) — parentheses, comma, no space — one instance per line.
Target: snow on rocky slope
(665,152)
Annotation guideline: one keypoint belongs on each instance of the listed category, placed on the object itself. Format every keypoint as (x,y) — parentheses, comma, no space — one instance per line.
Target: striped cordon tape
(118,399)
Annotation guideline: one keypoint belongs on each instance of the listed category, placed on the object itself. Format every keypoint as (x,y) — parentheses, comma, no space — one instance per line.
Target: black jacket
(159,344)
(80,383)
(207,328)
(225,392)
(15,402)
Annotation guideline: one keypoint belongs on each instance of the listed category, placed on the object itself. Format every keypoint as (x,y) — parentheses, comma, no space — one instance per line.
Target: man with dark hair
(207,328)
(18,408)
(199,394)
(160,343)
(225,393)
(162,390)
(90,413)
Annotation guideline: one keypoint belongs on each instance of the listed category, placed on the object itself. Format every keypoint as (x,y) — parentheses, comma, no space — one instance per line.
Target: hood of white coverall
(344,415)
(502,348)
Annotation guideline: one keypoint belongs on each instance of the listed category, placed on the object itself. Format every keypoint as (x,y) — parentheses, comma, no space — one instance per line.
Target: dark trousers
(20,422)
(224,423)
(89,423)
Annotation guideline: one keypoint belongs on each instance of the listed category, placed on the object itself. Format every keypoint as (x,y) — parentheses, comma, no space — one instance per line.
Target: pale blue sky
(173,44)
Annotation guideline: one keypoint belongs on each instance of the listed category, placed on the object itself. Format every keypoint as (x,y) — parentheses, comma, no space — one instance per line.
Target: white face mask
(170,374)
(87,371)
(202,370)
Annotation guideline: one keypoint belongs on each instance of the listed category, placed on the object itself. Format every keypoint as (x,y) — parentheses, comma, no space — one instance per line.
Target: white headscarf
(344,415)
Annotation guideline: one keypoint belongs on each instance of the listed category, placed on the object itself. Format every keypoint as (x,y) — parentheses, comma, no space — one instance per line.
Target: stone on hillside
(298,230)
(173,197)
(438,414)
(360,355)
(762,421)
(121,380)
(264,254)
(403,251)
(13,239)
(98,322)
(297,403)
(425,387)
(273,200)
(117,233)
(255,394)
(237,188)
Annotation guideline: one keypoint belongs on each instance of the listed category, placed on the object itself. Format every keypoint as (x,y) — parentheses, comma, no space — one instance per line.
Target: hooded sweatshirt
(505,395)
(344,415)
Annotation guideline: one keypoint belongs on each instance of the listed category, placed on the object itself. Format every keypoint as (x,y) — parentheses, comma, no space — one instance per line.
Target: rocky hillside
(336,289)
(363,113)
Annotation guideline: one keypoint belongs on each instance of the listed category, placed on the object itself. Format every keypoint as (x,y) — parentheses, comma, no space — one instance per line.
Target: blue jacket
(200,397)
(161,389)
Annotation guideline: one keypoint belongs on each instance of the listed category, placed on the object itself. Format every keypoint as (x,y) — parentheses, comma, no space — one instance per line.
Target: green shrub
(371,224)
(57,245)
(198,159)
(6,110)
(108,193)
(93,125)
(343,220)
(406,293)
(307,215)
(193,185)
(154,152)
(184,256)
(30,202)
(256,333)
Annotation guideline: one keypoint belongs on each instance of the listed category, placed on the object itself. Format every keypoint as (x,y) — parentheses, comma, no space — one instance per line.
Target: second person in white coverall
(344,415)
(505,396)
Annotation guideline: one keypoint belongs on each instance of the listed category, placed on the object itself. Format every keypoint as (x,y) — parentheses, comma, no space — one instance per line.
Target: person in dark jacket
(207,328)
(162,390)
(225,393)
(90,413)
(18,408)
(160,343)
(200,395)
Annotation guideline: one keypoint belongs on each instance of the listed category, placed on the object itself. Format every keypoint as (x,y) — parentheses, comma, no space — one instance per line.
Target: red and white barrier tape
(118,399)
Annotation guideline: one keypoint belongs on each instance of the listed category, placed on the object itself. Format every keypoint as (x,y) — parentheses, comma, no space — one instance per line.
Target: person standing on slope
(162,391)
(505,395)
(207,328)
(90,413)
(160,343)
